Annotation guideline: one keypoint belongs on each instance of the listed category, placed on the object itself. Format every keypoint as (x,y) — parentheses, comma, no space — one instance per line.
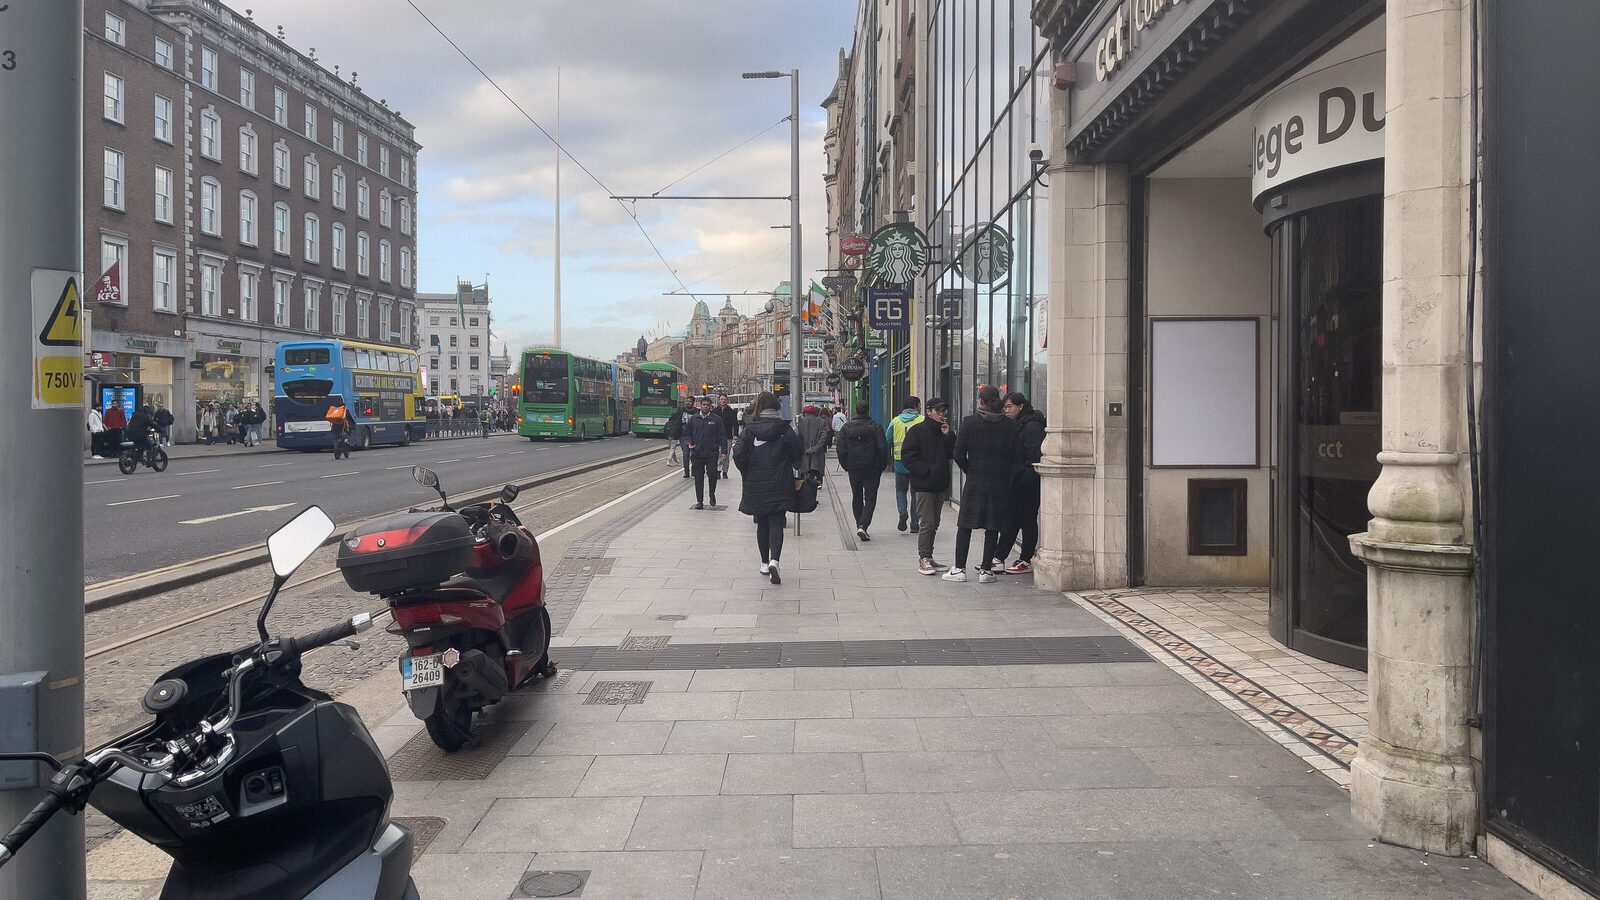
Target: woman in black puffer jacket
(766,454)
(987,450)
(1024,487)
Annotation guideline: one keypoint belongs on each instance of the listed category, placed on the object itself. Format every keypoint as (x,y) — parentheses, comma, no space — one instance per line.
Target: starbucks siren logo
(986,254)
(898,253)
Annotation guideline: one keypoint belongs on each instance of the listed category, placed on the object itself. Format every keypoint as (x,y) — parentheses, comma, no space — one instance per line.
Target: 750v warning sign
(58,340)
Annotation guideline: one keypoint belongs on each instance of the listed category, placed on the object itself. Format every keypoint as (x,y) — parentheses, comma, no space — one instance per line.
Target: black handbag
(806,490)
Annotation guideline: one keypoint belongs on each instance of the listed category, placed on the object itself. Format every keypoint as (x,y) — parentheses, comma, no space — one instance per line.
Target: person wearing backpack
(766,454)
(164,420)
(863,454)
(339,420)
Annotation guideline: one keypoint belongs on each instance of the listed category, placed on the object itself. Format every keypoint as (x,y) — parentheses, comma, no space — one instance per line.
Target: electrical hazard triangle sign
(64,328)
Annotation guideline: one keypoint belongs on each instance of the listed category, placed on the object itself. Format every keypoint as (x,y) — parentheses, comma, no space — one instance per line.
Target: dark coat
(814,433)
(768,469)
(988,450)
(706,436)
(675,423)
(926,452)
(1031,424)
(730,419)
(862,446)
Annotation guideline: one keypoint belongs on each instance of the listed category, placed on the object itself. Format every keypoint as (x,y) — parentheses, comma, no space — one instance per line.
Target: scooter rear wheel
(449,725)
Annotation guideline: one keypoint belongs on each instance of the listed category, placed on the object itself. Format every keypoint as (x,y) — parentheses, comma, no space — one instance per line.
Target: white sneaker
(765,568)
(986,577)
(772,573)
(955,574)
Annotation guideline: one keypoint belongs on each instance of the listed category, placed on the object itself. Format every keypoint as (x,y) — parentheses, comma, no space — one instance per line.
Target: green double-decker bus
(657,391)
(563,395)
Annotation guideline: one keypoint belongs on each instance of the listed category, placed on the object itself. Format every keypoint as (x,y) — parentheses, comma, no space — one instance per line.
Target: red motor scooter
(466,590)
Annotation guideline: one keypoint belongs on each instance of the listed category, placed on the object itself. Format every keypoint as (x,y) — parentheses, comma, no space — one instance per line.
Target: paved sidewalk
(861,731)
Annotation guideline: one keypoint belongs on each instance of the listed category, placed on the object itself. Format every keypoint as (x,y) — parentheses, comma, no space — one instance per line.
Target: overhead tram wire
(719,156)
(550,137)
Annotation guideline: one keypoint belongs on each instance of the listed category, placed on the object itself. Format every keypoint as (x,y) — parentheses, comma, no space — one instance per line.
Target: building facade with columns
(1298,326)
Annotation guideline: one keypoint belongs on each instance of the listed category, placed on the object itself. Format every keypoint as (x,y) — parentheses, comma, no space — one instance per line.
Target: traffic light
(705,388)
(516,390)
(493,390)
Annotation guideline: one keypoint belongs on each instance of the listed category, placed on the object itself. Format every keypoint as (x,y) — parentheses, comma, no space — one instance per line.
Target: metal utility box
(19,728)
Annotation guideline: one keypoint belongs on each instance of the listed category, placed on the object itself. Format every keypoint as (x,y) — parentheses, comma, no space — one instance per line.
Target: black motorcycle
(257,786)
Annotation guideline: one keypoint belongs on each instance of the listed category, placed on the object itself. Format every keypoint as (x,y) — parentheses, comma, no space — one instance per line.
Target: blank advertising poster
(1203,381)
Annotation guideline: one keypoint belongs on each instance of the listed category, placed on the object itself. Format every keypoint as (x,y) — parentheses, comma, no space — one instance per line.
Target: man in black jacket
(863,454)
(927,450)
(706,443)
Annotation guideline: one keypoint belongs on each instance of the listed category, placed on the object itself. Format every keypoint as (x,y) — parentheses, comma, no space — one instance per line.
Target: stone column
(1083,513)
(1412,781)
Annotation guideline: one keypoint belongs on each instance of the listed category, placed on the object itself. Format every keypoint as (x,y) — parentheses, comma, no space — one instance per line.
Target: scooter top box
(405,552)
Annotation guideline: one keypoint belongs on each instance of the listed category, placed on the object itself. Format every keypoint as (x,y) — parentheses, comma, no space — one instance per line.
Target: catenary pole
(558,207)
(797,292)
(41,517)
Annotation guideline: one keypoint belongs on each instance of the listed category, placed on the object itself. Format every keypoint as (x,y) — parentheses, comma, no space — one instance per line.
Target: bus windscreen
(544,380)
(657,386)
(307,388)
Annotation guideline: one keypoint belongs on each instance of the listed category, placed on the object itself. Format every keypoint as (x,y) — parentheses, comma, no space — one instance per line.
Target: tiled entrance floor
(1217,639)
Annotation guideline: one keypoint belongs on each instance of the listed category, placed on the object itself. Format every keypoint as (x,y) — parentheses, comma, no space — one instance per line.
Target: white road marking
(106,481)
(273,465)
(392,468)
(602,508)
(443,461)
(145,500)
(261,484)
(241,512)
(490,456)
(200,472)
(516,452)
(338,474)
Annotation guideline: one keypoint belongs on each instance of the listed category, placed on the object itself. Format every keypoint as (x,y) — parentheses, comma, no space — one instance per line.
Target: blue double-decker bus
(380,386)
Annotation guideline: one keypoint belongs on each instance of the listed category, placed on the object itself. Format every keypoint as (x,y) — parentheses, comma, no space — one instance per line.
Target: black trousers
(769,535)
(964,545)
(1024,519)
(702,469)
(864,496)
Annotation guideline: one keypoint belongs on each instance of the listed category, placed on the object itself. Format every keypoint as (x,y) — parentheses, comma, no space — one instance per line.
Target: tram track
(134,637)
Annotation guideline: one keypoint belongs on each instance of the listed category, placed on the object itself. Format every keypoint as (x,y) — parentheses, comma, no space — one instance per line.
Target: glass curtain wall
(990,226)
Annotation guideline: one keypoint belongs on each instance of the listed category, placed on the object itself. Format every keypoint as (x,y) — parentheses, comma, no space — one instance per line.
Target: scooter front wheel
(450,724)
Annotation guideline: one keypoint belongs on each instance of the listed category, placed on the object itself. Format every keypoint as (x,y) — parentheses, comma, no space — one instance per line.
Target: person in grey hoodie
(895,433)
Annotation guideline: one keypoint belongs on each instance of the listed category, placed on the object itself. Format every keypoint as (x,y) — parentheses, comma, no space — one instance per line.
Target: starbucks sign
(898,253)
(985,254)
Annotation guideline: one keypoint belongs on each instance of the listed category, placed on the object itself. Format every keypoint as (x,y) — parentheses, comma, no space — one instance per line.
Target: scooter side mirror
(294,542)
(425,477)
(509,493)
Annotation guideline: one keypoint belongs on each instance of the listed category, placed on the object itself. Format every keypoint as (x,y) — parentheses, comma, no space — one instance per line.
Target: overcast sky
(650,89)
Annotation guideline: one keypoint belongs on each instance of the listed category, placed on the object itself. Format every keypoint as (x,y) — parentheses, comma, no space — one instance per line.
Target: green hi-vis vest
(897,427)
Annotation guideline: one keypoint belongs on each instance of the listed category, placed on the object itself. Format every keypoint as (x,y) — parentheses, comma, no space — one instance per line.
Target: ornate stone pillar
(1083,513)
(1413,781)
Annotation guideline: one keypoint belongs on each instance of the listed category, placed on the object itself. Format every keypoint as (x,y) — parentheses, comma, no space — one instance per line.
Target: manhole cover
(420,760)
(553,884)
(617,693)
(670,618)
(423,830)
(597,566)
(645,642)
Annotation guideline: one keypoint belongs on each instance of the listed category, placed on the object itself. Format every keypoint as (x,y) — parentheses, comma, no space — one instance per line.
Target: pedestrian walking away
(766,454)
(164,420)
(905,498)
(928,448)
(839,420)
(708,445)
(1024,487)
(730,418)
(863,454)
(814,434)
(987,452)
(676,425)
(339,421)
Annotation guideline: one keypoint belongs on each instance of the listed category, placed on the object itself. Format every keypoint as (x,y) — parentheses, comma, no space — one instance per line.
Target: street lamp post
(795,400)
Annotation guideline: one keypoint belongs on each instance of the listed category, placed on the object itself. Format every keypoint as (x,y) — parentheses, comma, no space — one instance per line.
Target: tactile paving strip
(1033,651)
(419,760)
(423,830)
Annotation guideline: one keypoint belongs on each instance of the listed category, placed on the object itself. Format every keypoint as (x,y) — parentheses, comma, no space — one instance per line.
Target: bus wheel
(366,438)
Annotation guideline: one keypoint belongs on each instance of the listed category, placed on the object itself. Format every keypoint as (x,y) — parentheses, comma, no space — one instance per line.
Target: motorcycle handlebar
(348,628)
(56,796)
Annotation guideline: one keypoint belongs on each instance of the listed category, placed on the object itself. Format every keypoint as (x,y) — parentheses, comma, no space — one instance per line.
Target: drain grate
(671,618)
(617,693)
(599,565)
(837,654)
(420,760)
(423,830)
(553,884)
(645,642)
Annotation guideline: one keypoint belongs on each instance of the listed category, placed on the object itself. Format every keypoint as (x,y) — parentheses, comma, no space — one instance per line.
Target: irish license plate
(421,671)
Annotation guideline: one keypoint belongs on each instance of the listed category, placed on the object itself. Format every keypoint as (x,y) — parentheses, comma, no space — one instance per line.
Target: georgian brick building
(236,194)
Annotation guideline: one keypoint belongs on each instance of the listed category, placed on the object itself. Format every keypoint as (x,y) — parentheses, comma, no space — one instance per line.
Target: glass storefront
(1328,342)
(226,378)
(990,217)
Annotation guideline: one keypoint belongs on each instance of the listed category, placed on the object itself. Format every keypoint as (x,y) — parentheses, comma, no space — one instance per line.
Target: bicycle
(131,457)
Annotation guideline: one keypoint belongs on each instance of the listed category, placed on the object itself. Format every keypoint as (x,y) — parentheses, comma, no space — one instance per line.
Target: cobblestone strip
(1304,728)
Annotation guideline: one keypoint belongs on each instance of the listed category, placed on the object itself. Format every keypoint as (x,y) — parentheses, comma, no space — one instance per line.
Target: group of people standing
(110,427)
(230,422)
(995,448)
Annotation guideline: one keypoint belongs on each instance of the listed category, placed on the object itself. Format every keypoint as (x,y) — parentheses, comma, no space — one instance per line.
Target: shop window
(1218,517)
